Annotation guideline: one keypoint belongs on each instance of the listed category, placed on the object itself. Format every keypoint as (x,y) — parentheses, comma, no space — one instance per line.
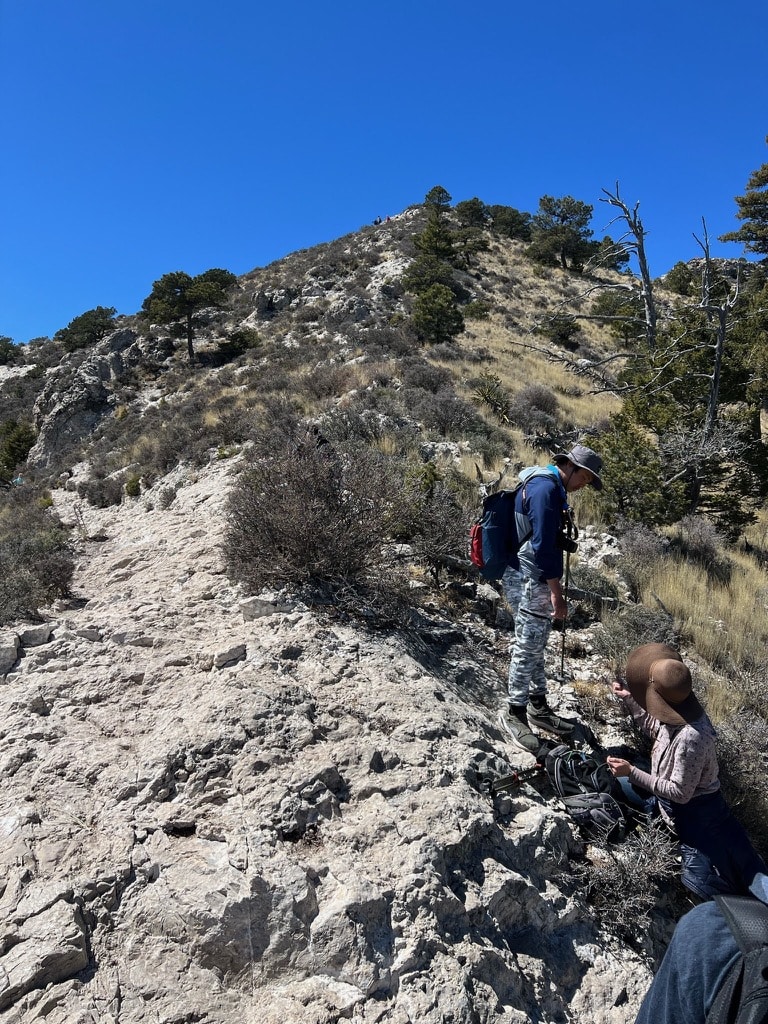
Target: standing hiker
(534,591)
(683,784)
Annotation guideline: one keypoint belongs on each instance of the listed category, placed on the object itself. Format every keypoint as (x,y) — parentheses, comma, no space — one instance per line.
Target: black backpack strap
(747,919)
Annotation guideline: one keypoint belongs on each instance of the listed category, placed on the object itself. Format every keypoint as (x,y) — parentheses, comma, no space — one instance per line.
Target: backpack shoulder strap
(747,918)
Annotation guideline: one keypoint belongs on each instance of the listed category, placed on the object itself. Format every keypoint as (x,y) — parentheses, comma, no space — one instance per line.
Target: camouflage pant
(531,605)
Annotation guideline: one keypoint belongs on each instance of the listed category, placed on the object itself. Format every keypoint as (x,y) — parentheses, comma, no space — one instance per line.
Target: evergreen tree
(425,271)
(560,232)
(622,311)
(633,480)
(438,199)
(436,317)
(9,350)
(506,220)
(87,329)
(178,297)
(753,211)
(472,213)
(16,439)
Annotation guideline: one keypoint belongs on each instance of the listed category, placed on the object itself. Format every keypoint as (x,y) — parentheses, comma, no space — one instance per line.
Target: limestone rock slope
(223,807)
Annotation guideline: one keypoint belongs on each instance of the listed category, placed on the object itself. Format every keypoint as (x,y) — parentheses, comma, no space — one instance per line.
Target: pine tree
(178,297)
(753,211)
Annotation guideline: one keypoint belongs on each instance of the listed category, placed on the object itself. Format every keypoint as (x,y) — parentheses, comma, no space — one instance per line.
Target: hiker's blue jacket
(540,503)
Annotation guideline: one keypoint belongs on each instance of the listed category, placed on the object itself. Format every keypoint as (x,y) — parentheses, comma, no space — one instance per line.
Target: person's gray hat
(585,458)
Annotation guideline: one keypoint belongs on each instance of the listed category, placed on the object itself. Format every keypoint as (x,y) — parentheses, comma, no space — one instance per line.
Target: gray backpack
(586,787)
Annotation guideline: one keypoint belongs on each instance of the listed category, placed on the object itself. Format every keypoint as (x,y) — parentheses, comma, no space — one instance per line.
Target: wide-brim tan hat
(661,684)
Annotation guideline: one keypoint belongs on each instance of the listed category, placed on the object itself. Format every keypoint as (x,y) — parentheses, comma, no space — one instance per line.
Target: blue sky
(145,136)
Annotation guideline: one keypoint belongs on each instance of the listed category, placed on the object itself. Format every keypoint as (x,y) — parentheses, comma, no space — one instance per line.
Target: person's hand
(559,608)
(619,767)
(618,689)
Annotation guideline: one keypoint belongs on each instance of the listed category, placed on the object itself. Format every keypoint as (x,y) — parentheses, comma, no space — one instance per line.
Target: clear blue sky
(145,136)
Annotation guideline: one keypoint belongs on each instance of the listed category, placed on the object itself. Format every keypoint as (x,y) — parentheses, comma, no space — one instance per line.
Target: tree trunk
(190,339)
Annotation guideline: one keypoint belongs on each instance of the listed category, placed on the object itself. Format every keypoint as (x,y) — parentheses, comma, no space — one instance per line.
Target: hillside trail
(228,807)
(147,571)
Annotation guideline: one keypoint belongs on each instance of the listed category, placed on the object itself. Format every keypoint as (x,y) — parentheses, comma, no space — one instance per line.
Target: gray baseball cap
(585,458)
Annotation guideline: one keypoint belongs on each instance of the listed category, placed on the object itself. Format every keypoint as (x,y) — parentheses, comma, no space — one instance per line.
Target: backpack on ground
(586,787)
(743,995)
(493,540)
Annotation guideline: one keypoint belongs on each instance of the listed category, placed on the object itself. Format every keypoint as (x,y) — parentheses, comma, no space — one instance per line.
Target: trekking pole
(565,620)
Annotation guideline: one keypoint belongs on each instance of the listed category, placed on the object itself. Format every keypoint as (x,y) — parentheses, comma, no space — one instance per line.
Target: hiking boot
(514,724)
(541,715)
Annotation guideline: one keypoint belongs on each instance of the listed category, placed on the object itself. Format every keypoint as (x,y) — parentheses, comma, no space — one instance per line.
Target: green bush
(436,317)
(102,492)
(560,329)
(36,562)
(87,329)
(16,440)
(9,350)
(133,485)
(477,310)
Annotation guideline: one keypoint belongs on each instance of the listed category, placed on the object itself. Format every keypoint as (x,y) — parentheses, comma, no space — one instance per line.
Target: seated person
(683,783)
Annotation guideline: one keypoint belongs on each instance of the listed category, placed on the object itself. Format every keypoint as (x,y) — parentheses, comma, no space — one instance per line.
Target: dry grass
(727,623)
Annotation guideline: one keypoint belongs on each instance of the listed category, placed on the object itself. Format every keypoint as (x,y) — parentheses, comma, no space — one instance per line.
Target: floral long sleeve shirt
(683,757)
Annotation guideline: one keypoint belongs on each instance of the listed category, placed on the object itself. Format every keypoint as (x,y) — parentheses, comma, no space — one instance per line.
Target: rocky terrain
(221,807)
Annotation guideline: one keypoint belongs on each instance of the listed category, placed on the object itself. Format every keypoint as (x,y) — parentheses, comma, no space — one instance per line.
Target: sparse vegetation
(35,559)
(336,342)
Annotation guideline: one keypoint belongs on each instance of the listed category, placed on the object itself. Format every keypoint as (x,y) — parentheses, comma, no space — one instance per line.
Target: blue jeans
(718,856)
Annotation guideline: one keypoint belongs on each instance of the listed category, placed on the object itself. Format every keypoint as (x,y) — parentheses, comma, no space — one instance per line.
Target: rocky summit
(226,807)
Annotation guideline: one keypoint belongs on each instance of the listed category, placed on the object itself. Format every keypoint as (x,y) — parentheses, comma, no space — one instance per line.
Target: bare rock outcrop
(76,396)
(223,807)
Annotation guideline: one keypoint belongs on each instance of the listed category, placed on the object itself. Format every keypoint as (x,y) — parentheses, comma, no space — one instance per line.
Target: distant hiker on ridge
(534,591)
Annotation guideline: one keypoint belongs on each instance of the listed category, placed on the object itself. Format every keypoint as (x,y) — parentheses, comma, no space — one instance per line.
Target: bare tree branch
(636,232)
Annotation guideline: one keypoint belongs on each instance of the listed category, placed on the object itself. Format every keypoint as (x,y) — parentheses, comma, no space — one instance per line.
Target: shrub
(133,485)
(102,492)
(36,562)
(418,373)
(534,409)
(238,342)
(428,515)
(329,381)
(620,632)
(477,310)
(741,745)
(308,515)
(697,539)
(445,413)
(625,883)
(641,550)
(601,589)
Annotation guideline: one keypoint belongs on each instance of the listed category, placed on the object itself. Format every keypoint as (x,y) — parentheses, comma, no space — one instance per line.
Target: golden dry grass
(727,623)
